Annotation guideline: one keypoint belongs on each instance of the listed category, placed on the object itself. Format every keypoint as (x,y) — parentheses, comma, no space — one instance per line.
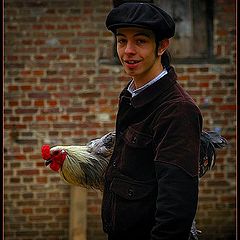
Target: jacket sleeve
(176,203)
(177,141)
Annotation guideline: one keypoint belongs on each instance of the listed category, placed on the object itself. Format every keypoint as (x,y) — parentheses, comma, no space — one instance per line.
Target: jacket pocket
(137,139)
(133,204)
(136,154)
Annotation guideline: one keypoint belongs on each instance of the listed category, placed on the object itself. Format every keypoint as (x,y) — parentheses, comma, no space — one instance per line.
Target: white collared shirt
(134,92)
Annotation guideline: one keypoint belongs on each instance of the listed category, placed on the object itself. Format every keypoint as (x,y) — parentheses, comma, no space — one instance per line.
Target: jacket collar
(153,91)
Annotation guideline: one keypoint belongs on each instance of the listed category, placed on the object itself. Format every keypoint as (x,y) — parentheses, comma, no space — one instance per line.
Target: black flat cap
(144,15)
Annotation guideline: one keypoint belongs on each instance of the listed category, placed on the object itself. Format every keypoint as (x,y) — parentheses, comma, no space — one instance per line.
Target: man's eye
(121,41)
(141,41)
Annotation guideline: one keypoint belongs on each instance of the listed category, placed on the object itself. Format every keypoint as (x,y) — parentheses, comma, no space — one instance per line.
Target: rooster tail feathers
(215,138)
(210,141)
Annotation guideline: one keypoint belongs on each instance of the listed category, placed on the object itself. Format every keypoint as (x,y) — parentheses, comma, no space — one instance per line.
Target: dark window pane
(192,31)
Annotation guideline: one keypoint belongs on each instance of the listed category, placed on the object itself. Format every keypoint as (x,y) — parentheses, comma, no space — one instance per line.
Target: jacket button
(130,192)
(114,164)
(134,140)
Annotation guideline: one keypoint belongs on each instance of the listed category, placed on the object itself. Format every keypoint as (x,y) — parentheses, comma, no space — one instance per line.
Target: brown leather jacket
(151,183)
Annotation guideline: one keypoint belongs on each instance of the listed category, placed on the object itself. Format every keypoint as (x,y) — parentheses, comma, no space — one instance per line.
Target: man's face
(136,48)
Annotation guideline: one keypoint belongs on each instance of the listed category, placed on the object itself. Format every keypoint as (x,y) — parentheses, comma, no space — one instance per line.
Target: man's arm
(177,141)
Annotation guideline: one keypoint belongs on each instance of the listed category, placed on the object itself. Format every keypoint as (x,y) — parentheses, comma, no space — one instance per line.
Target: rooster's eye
(56,152)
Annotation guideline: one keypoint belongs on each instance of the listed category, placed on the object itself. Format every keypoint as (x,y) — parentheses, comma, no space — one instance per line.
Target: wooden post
(78,214)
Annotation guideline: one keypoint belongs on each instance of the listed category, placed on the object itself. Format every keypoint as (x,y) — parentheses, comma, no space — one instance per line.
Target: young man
(151,183)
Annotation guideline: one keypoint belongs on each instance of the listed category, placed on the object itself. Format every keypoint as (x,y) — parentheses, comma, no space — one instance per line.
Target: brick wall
(58,91)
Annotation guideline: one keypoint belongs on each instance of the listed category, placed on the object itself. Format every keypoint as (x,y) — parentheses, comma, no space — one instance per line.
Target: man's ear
(163,46)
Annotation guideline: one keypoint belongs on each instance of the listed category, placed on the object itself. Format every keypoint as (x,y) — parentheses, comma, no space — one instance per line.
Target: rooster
(85,165)
(81,165)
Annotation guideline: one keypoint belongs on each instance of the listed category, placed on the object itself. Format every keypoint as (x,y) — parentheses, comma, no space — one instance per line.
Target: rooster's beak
(47,162)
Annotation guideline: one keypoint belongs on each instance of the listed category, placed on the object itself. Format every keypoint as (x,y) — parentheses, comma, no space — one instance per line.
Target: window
(194,28)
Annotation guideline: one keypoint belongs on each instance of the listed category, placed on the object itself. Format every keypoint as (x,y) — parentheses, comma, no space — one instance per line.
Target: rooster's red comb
(46,152)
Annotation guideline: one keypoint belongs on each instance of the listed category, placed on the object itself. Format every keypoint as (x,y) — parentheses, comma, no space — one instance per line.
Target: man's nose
(130,48)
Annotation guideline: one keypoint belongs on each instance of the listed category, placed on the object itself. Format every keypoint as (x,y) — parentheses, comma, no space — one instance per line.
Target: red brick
(27,118)
(13,103)
(39,103)
(40,95)
(41,180)
(77,110)
(52,103)
(26,111)
(51,88)
(37,27)
(39,42)
(183,78)
(15,126)
(41,118)
(26,88)
(204,84)
(205,77)
(64,57)
(66,134)
(26,72)
(228,107)
(40,218)
(26,103)
(192,69)
(38,72)
(13,88)
(65,117)
(64,125)
(204,69)
(14,180)
(20,157)
(12,58)
(28,172)
(217,99)
(27,149)
(40,164)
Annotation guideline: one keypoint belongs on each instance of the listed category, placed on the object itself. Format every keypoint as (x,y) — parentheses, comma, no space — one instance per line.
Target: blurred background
(61,85)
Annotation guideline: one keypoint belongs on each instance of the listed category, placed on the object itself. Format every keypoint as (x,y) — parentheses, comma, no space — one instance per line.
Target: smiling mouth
(131,61)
